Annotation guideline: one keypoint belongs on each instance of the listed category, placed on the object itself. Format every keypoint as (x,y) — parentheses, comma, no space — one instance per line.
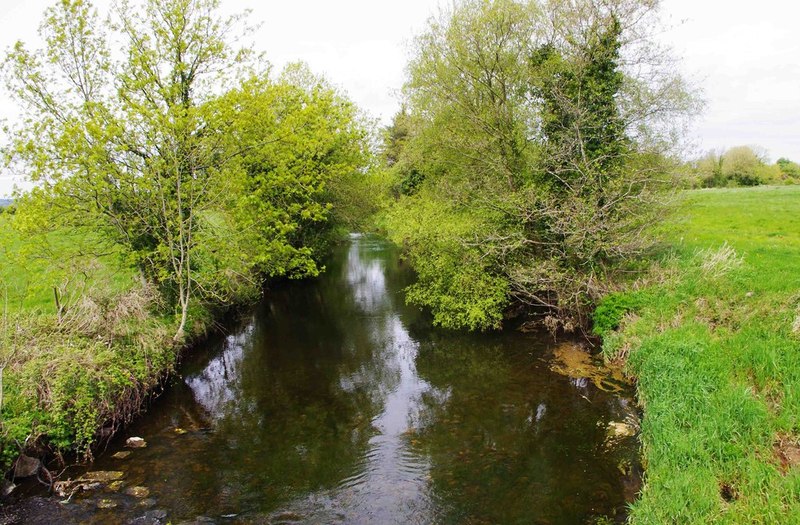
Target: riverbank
(712,335)
(83,344)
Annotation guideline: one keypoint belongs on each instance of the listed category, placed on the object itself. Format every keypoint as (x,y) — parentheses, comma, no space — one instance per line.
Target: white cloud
(745,55)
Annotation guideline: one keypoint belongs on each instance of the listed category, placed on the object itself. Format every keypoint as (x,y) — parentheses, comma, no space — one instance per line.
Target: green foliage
(608,314)
(714,346)
(453,279)
(303,148)
(789,169)
(67,376)
(171,180)
(521,116)
(739,166)
(184,155)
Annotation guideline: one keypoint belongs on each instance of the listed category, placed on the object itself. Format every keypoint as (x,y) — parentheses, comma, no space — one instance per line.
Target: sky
(744,55)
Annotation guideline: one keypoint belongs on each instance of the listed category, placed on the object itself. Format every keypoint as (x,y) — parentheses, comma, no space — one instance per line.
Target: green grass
(31,266)
(712,337)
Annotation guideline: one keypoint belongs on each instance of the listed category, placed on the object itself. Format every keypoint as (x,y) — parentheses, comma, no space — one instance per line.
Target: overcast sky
(745,55)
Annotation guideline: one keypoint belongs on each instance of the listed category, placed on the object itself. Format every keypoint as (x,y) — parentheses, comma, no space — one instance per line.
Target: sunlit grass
(717,357)
(31,267)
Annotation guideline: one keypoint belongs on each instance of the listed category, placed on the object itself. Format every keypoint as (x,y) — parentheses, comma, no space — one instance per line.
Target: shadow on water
(334,402)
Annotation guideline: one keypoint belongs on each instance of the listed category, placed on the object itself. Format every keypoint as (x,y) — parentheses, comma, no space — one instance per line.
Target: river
(334,402)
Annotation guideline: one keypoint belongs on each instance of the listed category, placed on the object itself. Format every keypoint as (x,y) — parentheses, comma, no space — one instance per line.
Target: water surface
(333,402)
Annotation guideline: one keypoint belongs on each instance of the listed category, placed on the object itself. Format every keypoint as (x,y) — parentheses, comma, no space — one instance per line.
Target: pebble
(103,476)
(106,504)
(135,442)
(137,492)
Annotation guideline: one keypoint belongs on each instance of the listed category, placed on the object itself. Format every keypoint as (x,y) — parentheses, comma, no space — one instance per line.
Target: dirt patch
(787,451)
(728,492)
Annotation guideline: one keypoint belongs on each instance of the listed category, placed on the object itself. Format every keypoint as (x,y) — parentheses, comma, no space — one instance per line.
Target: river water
(334,402)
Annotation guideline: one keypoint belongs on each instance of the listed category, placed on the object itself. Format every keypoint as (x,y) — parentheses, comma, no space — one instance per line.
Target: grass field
(712,336)
(30,267)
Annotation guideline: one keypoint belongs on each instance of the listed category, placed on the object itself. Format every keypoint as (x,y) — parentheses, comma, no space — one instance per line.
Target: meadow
(712,337)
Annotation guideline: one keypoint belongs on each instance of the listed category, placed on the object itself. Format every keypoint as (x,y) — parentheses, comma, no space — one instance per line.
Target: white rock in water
(135,442)
(137,492)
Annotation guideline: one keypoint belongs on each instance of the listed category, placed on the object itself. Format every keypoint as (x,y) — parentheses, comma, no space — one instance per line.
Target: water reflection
(336,403)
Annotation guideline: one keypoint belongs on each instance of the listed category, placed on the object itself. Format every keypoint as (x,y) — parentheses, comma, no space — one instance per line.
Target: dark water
(336,403)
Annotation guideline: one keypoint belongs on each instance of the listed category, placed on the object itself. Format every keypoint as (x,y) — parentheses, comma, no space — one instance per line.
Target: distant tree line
(739,166)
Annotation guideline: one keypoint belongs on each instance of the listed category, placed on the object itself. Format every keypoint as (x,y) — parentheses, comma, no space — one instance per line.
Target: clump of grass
(715,351)
(720,261)
(82,342)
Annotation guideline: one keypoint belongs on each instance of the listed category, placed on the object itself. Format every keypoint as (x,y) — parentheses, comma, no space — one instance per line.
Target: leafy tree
(738,166)
(788,168)
(541,139)
(742,165)
(300,143)
(709,169)
(203,178)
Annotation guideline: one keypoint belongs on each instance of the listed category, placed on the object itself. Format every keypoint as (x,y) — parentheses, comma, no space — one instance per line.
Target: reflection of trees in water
(297,394)
(511,439)
(313,398)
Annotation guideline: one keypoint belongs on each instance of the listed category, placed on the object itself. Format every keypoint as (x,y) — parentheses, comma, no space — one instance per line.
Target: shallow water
(333,402)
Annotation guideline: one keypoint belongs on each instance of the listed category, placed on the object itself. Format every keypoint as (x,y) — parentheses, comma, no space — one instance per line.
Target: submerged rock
(618,429)
(572,360)
(103,476)
(151,517)
(122,454)
(135,442)
(106,504)
(116,486)
(26,466)
(137,492)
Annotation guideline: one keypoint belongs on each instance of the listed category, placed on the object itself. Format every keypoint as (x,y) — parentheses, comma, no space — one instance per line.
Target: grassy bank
(82,342)
(713,337)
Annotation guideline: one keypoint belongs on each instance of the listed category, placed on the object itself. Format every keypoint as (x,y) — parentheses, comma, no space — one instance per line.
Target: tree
(737,166)
(542,138)
(789,169)
(742,166)
(299,145)
(183,151)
